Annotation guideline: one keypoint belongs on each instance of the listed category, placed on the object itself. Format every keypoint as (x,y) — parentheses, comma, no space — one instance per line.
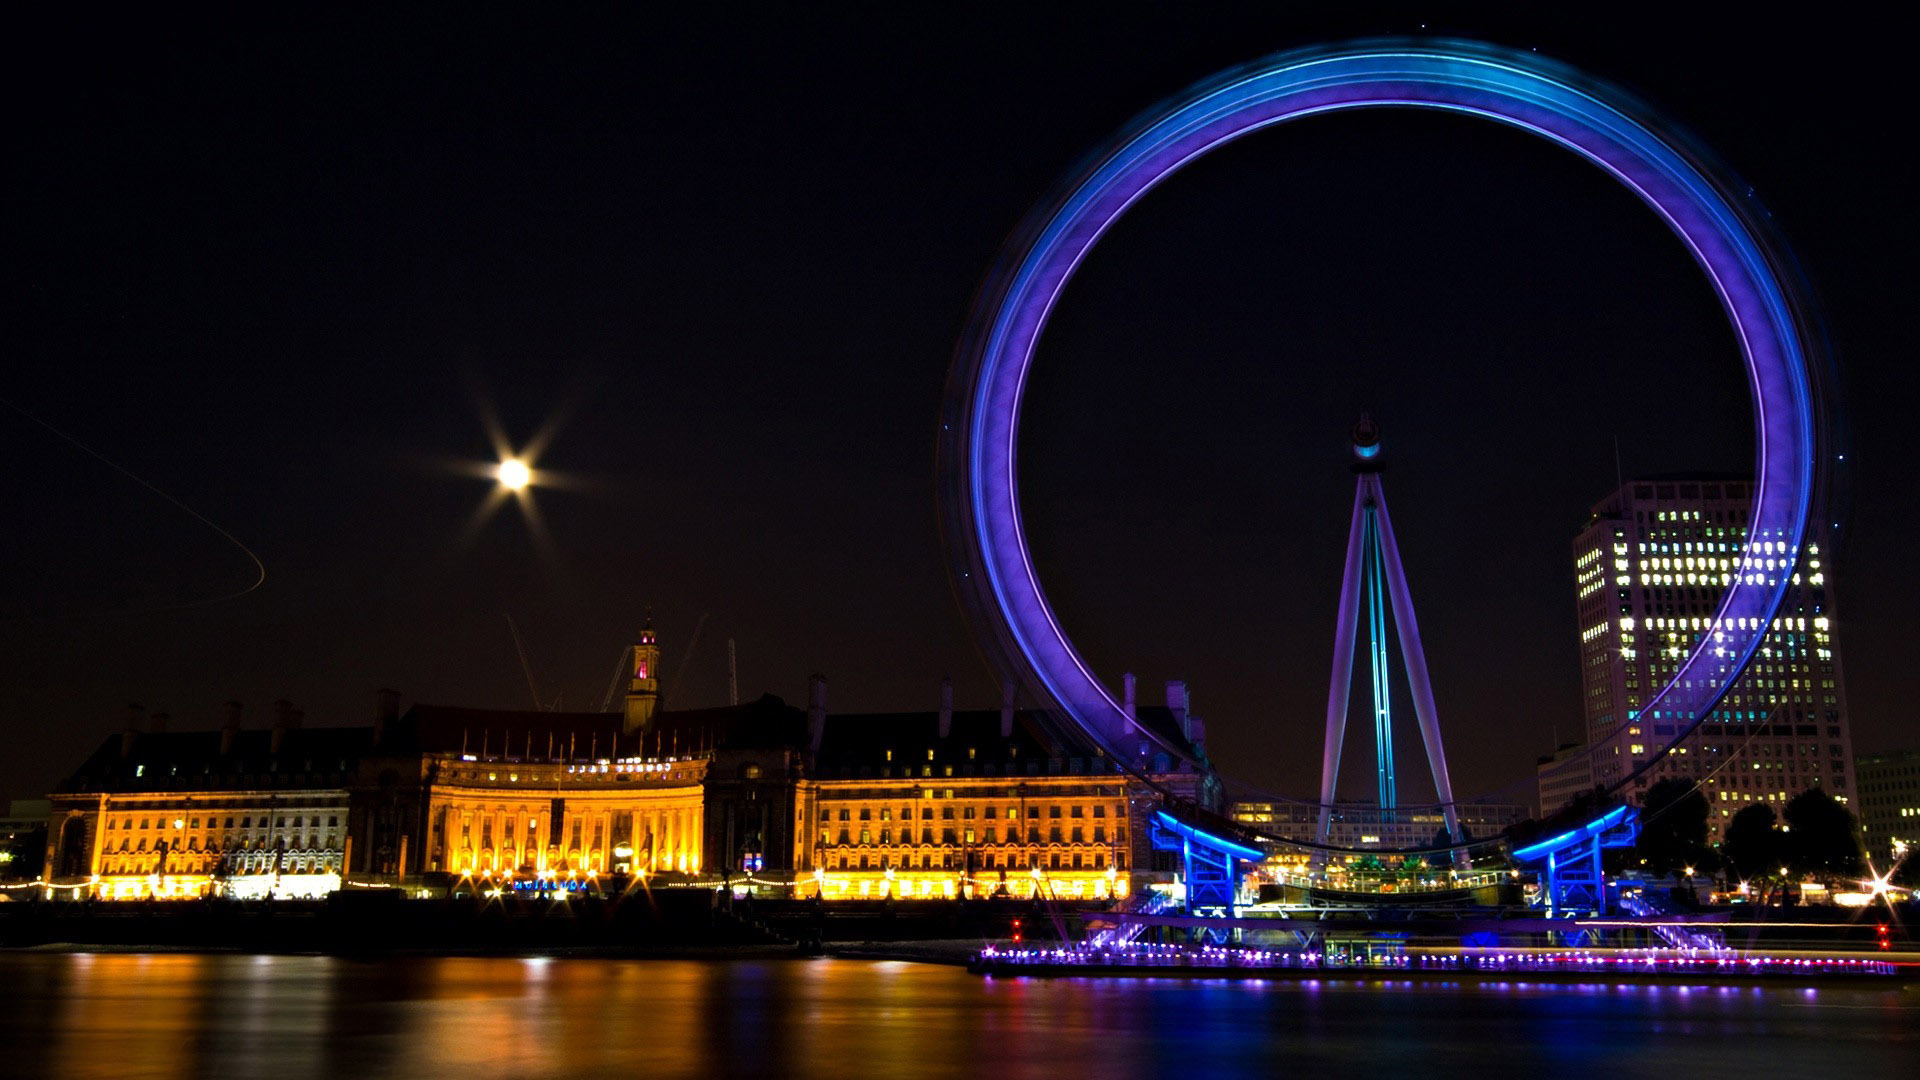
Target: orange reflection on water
(79,1016)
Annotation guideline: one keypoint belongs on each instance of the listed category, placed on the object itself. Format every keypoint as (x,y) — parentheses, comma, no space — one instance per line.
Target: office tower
(1889,805)
(1650,568)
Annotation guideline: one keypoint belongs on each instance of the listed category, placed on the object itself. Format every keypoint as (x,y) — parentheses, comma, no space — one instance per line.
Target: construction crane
(692,643)
(620,668)
(526,666)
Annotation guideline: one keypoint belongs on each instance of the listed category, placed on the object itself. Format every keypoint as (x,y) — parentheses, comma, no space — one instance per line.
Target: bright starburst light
(514,474)
(514,471)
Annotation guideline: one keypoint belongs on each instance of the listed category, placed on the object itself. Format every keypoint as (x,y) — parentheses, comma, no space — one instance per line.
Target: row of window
(1096,860)
(194,844)
(624,772)
(248,865)
(989,812)
(246,822)
(1076,835)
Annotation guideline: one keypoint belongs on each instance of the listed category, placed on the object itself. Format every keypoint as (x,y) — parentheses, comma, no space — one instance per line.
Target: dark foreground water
(118,1015)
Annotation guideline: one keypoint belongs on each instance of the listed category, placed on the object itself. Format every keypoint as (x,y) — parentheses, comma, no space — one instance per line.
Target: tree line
(1815,837)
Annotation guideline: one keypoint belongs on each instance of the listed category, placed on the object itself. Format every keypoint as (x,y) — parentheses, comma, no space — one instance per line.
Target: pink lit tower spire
(1373,567)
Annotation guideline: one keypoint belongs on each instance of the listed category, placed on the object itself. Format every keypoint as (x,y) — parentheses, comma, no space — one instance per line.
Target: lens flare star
(514,471)
(514,475)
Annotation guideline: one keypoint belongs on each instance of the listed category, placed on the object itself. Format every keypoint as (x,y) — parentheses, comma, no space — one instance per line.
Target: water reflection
(163,1015)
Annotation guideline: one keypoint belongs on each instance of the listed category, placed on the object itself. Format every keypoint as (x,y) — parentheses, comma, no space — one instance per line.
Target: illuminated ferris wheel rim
(991,564)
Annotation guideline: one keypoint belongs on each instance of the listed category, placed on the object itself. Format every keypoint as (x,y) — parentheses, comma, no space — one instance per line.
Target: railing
(1146,902)
(1679,937)
(1373,881)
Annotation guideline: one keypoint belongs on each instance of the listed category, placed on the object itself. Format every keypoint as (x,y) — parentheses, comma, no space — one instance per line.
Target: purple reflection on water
(77,1017)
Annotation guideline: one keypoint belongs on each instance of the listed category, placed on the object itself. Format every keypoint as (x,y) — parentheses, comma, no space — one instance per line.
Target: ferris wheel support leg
(1345,631)
(1415,658)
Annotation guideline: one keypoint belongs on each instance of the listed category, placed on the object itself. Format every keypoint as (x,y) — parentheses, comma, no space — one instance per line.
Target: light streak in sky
(259,567)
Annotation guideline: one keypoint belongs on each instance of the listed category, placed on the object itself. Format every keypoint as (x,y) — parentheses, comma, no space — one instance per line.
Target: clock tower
(643,689)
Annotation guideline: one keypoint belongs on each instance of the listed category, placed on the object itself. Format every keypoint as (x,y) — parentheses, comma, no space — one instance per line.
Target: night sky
(281,271)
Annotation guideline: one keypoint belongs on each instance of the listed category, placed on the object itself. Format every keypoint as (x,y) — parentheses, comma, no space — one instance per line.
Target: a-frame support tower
(1373,567)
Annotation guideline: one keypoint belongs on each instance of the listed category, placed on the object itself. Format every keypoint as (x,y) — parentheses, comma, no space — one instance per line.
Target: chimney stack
(1177,705)
(386,709)
(816,710)
(136,720)
(230,727)
(285,718)
(1006,709)
(946,707)
(1126,692)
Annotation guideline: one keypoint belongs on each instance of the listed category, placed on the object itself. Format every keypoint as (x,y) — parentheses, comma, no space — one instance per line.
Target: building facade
(155,813)
(991,803)
(1361,827)
(1889,804)
(1563,775)
(909,805)
(1649,570)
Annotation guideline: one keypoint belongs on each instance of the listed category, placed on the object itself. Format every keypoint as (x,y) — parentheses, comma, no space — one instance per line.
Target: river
(79,1015)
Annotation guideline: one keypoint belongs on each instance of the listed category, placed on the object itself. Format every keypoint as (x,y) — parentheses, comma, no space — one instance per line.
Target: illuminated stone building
(155,813)
(953,803)
(524,795)
(899,804)
(1649,571)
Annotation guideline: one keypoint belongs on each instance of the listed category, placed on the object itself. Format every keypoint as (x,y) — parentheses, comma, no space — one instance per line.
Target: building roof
(1726,487)
(909,744)
(194,760)
(892,744)
(303,757)
(447,729)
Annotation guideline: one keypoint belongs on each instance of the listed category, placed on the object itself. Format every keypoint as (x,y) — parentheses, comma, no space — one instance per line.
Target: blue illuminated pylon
(1373,565)
(1377,633)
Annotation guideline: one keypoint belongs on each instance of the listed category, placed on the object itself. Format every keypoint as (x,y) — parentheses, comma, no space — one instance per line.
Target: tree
(1673,827)
(1821,840)
(1752,845)
(1578,811)
(1906,872)
(1581,809)
(21,853)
